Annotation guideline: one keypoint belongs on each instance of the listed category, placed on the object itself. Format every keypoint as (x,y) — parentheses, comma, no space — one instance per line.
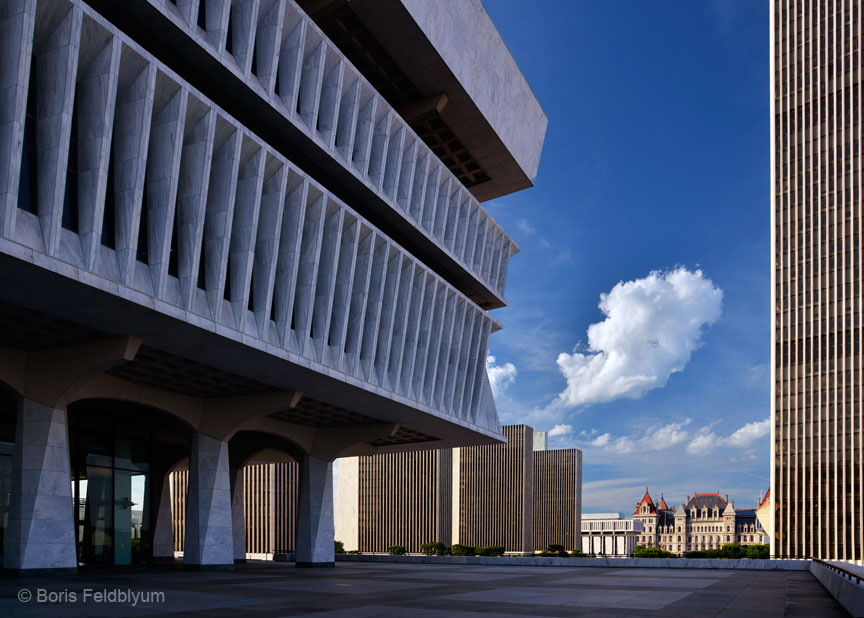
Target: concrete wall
(657,563)
(487,72)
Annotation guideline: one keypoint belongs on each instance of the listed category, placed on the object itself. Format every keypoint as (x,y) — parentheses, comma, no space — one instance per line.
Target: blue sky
(657,158)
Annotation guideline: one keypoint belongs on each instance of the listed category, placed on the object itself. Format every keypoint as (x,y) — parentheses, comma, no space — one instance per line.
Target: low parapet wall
(661,563)
(844,582)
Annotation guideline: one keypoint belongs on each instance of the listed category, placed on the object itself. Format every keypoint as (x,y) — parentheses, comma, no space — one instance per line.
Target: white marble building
(229,235)
(609,534)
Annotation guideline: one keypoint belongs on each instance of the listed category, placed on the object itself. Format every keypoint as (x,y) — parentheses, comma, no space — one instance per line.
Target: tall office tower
(817,483)
(238,231)
(515,495)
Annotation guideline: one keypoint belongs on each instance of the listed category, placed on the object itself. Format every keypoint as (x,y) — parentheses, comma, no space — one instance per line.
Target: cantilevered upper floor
(413,165)
(132,204)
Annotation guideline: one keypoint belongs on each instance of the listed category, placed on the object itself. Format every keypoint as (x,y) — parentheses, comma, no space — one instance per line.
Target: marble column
(163,532)
(315,514)
(238,519)
(209,543)
(40,536)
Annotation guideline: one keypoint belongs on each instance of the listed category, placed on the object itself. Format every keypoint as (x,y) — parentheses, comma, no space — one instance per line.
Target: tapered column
(163,532)
(209,543)
(40,535)
(315,513)
(238,518)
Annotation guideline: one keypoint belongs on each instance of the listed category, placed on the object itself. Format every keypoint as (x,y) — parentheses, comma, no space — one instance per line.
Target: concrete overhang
(453,50)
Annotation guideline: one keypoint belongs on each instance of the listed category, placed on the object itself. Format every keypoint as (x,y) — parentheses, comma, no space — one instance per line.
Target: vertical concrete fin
(432,351)
(400,324)
(476,357)
(241,251)
(331,90)
(192,190)
(444,353)
(16,27)
(359,298)
(288,259)
(372,311)
(287,82)
(57,70)
(325,280)
(380,141)
(224,170)
(430,197)
(412,331)
(132,116)
(393,164)
(443,197)
(406,173)
(311,77)
(163,171)
(368,109)
(314,218)
(349,107)
(271,20)
(418,185)
(388,310)
(97,96)
(423,337)
(344,281)
(267,245)
(244,18)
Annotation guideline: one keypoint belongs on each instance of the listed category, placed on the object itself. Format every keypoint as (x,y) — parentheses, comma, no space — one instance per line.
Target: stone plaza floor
(364,590)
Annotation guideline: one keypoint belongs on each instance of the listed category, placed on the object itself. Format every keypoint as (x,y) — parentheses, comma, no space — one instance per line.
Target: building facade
(609,534)
(270,497)
(506,495)
(817,486)
(705,521)
(230,234)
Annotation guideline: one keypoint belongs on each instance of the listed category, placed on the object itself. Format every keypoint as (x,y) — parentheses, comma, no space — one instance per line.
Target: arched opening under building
(119,455)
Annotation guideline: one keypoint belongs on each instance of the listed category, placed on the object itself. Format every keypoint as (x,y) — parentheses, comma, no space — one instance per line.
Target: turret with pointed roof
(647,502)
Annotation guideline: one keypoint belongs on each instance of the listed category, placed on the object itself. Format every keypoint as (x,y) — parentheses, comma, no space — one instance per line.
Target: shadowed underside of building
(221,245)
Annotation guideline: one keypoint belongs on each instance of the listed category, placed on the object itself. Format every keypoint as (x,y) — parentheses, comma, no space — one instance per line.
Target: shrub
(557,550)
(435,549)
(545,553)
(758,552)
(695,554)
(651,552)
(577,553)
(462,550)
(489,551)
(731,550)
(338,547)
(396,550)
(353,551)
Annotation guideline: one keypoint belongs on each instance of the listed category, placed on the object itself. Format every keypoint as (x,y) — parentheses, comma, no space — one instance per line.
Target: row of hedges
(729,551)
(732,551)
(440,549)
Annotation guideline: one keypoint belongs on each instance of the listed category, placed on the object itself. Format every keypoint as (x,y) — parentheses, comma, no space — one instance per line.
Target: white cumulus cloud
(560,430)
(706,440)
(500,376)
(652,326)
(654,438)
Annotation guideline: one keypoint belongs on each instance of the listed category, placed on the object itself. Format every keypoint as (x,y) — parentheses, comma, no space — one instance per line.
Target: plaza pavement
(364,590)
